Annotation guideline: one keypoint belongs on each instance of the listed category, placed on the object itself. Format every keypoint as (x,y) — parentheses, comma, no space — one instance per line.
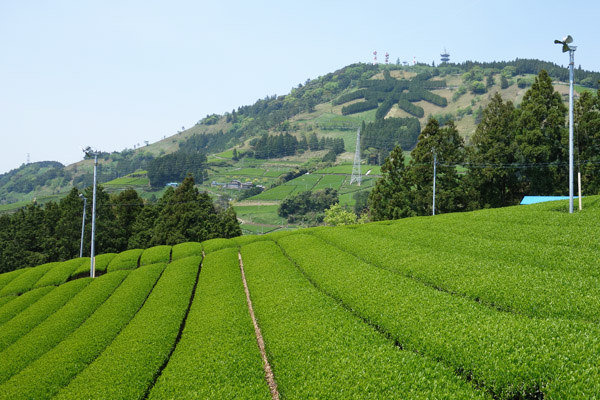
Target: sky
(113,74)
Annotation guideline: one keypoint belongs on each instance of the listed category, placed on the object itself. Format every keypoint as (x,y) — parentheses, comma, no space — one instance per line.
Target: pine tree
(449,147)
(493,148)
(390,198)
(542,138)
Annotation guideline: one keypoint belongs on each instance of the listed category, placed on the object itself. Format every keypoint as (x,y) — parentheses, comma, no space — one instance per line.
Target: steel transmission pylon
(356,176)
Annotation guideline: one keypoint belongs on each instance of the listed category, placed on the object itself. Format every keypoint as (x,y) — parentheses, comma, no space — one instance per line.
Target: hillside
(496,303)
(310,108)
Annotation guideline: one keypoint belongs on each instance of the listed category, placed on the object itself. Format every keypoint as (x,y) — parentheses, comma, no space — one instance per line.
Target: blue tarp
(542,199)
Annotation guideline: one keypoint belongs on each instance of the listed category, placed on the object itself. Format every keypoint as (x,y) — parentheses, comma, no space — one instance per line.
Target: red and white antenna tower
(387,57)
(414,60)
(375,57)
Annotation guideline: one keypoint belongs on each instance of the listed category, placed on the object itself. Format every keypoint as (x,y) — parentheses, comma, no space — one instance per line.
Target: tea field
(493,304)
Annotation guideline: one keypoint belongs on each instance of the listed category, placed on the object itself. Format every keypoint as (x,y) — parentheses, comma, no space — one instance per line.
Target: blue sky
(112,74)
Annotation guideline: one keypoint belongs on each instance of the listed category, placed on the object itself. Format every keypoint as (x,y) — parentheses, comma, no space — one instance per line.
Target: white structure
(356,177)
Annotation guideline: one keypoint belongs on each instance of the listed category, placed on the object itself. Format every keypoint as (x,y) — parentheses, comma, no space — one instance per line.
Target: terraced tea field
(494,304)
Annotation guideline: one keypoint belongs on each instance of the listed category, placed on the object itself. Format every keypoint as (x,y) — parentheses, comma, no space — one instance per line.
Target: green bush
(128,259)
(8,277)
(527,354)
(319,350)
(157,254)
(58,325)
(188,249)
(231,366)
(128,366)
(85,344)
(59,273)
(102,261)
(27,279)
(20,303)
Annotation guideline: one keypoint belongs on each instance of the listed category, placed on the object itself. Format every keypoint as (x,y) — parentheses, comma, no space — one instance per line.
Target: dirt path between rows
(259,339)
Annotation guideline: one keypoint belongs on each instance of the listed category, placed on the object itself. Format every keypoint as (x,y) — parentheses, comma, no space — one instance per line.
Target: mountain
(331,106)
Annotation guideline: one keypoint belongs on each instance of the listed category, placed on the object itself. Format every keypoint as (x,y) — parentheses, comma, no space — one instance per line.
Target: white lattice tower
(356,177)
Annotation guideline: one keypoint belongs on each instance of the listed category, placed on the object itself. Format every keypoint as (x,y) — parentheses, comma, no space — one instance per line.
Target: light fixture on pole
(89,152)
(82,224)
(571,49)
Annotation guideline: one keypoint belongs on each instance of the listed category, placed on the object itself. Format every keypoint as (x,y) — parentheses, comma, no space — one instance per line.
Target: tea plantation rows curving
(500,303)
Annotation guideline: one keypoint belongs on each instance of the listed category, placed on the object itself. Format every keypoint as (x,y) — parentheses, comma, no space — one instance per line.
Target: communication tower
(445,57)
(356,177)
(414,60)
(375,57)
(387,57)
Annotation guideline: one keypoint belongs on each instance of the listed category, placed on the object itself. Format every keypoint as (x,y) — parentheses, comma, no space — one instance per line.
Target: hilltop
(488,304)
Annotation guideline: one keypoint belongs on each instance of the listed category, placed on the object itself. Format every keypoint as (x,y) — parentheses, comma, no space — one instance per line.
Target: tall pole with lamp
(571,49)
(91,153)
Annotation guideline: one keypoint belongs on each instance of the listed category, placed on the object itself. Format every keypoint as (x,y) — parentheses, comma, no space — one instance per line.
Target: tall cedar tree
(188,215)
(542,139)
(493,147)
(449,147)
(587,141)
(68,227)
(390,198)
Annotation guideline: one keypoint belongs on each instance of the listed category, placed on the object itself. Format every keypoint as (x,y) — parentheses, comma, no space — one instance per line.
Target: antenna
(445,56)
(356,177)
(28,159)
(375,57)
(387,57)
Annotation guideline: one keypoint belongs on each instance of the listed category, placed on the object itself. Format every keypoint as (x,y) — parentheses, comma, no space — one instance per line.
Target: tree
(448,145)
(587,140)
(542,139)
(389,199)
(110,236)
(493,150)
(336,215)
(143,226)
(127,205)
(503,82)
(68,226)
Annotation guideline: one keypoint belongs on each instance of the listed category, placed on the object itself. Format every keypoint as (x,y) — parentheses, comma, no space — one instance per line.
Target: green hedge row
(188,249)
(27,279)
(217,244)
(128,367)
(102,262)
(4,300)
(509,355)
(411,108)
(19,303)
(7,277)
(517,276)
(359,107)
(38,312)
(59,273)
(357,94)
(156,254)
(59,325)
(129,259)
(43,378)
(319,350)
(217,357)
